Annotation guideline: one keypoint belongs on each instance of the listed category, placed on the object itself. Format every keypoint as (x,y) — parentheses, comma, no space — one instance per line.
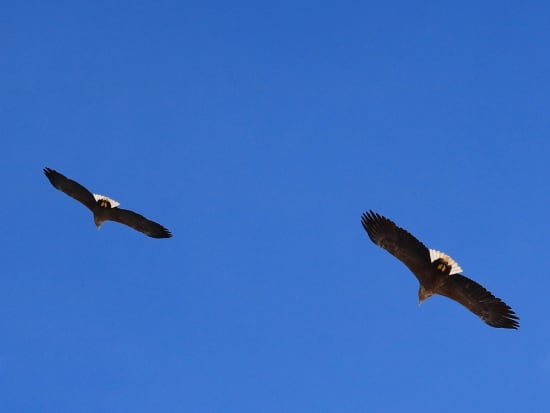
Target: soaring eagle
(104,208)
(437,273)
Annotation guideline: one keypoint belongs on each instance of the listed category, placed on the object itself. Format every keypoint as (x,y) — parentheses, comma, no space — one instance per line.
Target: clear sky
(258,134)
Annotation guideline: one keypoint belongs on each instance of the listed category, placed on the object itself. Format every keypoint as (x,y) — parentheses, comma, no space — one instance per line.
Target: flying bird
(105,208)
(437,273)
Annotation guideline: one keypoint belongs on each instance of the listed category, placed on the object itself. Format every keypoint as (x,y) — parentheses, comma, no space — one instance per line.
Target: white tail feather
(435,255)
(113,203)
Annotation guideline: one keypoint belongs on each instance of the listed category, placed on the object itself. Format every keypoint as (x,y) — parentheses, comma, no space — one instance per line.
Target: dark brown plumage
(104,208)
(437,273)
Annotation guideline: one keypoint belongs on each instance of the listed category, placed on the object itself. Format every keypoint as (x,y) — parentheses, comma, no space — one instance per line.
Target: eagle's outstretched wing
(71,188)
(397,241)
(478,300)
(138,222)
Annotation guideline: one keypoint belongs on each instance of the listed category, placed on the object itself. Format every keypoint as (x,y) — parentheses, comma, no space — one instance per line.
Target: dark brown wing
(478,300)
(70,187)
(398,242)
(138,222)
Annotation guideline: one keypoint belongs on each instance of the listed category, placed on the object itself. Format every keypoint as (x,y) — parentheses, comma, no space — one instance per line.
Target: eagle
(105,208)
(437,273)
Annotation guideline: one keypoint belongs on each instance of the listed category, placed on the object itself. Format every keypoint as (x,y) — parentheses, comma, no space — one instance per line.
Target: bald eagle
(104,208)
(437,273)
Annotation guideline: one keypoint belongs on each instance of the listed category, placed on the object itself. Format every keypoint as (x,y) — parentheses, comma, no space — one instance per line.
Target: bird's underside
(438,273)
(104,208)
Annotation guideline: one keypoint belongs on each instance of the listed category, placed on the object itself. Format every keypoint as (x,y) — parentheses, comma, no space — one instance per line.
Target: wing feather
(70,187)
(138,222)
(478,300)
(397,241)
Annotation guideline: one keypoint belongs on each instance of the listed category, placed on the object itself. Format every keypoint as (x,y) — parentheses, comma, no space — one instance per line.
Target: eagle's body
(104,208)
(437,273)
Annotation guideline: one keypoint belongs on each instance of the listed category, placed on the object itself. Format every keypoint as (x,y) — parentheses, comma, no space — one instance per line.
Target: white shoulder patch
(435,255)
(113,203)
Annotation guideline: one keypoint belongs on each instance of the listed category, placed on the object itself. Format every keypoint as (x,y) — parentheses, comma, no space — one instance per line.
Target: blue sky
(258,134)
